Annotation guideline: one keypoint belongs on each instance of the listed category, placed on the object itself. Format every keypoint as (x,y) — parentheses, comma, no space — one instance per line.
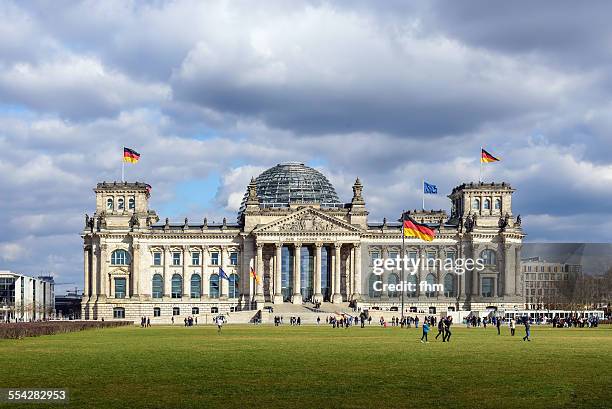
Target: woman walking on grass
(425,331)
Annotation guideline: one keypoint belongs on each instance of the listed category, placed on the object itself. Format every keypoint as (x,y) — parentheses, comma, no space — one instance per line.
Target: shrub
(35,329)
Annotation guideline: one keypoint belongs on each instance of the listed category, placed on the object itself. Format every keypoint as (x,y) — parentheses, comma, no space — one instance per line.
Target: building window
(176,258)
(196,286)
(195,258)
(157,258)
(120,283)
(476,204)
(430,283)
(214,258)
(214,310)
(392,280)
(412,289)
(120,205)
(449,285)
(120,258)
(233,286)
(176,311)
(118,313)
(488,257)
(413,255)
(393,254)
(157,286)
(109,203)
(498,204)
(157,312)
(131,203)
(214,286)
(487,287)
(195,311)
(374,255)
(234,259)
(487,204)
(177,286)
(372,292)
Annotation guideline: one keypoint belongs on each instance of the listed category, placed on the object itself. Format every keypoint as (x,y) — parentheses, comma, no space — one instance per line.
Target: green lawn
(315,367)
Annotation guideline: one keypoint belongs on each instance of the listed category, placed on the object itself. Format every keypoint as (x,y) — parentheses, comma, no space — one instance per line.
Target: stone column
(186,279)
(318,296)
(259,295)
(135,287)
(357,273)
(337,297)
(94,271)
(223,283)
(205,274)
(517,270)
(104,271)
(297,295)
(167,293)
(508,271)
(86,291)
(278,284)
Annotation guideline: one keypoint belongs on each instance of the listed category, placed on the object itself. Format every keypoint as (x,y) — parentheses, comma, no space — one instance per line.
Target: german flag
(130,155)
(418,230)
(255,276)
(486,157)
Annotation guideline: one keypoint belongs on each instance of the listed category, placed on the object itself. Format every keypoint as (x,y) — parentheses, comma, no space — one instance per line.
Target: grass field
(315,367)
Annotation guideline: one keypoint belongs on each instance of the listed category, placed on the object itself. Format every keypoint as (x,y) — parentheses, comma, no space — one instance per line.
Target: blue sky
(212,93)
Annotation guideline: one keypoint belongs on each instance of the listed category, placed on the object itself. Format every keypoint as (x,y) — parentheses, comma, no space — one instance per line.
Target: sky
(212,93)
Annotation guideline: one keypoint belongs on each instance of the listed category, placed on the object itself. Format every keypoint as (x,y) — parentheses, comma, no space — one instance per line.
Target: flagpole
(122,170)
(403,262)
(423,193)
(480,172)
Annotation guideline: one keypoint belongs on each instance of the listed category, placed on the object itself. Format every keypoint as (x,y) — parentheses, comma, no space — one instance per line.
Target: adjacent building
(545,283)
(24,298)
(304,243)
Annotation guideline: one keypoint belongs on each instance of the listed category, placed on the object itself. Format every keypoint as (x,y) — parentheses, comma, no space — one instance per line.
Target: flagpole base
(296,299)
(259,298)
(278,299)
(337,299)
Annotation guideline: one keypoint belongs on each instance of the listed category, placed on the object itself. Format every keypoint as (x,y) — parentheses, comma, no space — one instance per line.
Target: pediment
(308,220)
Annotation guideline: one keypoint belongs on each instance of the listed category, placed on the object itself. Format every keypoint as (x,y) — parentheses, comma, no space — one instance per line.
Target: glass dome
(293,182)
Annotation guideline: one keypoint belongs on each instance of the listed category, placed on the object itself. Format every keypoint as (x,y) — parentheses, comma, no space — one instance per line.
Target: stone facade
(135,266)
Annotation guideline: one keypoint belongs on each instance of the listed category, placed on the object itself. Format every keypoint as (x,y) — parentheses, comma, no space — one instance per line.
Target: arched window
(488,256)
(412,281)
(177,286)
(120,204)
(449,285)
(118,313)
(131,203)
(476,204)
(120,258)
(157,286)
(120,283)
(233,286)
(498,204)
(393,280)
(429,292)
(214,286)
(374,279)
(109,203)
(196,286)
(487,204)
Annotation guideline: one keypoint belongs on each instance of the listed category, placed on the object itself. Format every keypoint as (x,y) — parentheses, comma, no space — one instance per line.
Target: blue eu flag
(222,274)
(430,189)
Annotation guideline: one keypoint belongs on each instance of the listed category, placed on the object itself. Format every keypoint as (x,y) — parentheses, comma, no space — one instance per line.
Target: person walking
(498,325)
(441,330)
(425,332)
(512,326)
(448,321)
(527,330)
(219,322)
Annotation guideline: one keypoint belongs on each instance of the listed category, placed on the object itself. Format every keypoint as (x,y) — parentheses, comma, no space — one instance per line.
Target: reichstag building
(304,243)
